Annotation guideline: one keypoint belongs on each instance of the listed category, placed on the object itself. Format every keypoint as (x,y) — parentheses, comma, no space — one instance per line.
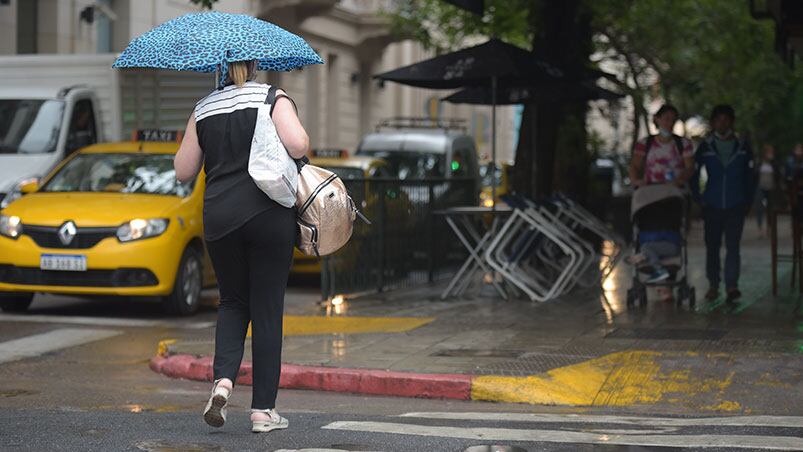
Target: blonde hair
(241,71)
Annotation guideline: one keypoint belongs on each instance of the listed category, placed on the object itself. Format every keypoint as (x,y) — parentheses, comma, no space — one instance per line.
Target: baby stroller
(660,211)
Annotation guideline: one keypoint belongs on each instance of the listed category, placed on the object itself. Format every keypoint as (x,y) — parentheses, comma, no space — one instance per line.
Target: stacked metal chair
(547,249)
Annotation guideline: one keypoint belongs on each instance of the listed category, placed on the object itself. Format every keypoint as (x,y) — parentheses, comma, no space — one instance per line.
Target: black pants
(729,222)
(252,264)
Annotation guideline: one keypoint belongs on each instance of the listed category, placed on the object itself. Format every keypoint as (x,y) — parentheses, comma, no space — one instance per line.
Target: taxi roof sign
(330,153)
(157,135)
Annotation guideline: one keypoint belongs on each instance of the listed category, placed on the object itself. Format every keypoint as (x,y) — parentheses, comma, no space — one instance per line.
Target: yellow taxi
(111,219)
(347,168)
(504,182)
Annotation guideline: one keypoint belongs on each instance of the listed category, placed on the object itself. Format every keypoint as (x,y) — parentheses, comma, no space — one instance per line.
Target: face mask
(665,133)
(725,135)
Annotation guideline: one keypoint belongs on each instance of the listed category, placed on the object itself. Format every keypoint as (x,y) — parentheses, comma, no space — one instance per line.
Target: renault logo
(67,232)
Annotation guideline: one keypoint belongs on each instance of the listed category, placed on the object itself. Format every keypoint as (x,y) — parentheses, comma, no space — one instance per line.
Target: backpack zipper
(314,239)
(315,193)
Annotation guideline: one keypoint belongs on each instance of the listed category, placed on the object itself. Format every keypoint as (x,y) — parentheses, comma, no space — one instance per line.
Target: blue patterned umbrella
(206,42)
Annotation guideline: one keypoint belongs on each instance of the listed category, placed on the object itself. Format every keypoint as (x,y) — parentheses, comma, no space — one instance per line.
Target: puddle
(495,448)
(16,392)
(167,446)
(353,447)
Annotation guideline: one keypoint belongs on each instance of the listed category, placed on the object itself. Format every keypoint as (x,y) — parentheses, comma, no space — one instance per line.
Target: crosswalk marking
(568,436)
(37,344)
(729,421)
(101,321)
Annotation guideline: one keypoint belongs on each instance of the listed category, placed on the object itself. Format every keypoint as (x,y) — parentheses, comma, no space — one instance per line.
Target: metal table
(474,241)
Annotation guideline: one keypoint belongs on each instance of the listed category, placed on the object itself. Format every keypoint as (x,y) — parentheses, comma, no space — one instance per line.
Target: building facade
(338,102)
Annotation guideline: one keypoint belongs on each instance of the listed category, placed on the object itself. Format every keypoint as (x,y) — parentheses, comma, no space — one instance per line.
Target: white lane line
(725,421)
(101,321)
(568,436)
(37,344)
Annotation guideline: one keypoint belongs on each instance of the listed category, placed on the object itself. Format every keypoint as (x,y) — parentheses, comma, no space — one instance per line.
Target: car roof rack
(408,122)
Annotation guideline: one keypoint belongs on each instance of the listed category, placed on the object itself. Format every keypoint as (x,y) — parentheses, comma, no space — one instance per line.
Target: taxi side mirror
(30,187)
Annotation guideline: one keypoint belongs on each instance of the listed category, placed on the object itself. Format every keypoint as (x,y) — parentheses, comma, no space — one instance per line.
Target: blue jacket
(729,185)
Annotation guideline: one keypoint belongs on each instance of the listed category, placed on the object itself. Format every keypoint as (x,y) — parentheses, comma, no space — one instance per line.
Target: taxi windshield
(347,173)
(119,173)
(487,178)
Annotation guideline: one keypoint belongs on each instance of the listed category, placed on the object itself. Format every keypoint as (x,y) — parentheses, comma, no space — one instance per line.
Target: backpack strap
(651,139)
(272,97)
(648,145)
(678,143)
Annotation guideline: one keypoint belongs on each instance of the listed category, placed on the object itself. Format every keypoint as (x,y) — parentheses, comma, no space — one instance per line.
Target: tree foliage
(440,26)
(693,53)
(699,53)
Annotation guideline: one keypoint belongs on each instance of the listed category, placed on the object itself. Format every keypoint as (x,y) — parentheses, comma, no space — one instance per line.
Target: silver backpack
(325,211)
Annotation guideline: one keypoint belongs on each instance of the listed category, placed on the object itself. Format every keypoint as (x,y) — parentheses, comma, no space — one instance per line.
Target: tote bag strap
(272,96)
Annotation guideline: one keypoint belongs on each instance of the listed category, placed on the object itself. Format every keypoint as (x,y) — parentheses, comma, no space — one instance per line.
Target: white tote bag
(269,164)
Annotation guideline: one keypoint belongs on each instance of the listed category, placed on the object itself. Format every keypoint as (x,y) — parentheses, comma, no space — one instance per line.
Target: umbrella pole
(493,143)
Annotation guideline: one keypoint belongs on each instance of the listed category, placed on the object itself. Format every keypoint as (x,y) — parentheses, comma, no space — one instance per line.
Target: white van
(39,127)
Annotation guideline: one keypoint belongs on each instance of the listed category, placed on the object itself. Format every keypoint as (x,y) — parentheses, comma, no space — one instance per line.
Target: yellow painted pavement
(296,325)
(618,379)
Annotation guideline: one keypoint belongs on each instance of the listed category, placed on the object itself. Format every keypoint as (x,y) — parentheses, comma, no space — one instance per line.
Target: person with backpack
(665,157)
(728,194)
(661,159)
(248,235)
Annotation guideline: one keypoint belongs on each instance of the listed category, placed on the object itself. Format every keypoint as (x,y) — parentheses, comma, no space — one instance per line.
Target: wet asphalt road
(100,395)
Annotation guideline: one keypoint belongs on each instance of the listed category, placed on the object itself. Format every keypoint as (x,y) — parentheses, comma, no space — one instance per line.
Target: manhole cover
(495,448)
(667,334)
(167,446)
(474,353)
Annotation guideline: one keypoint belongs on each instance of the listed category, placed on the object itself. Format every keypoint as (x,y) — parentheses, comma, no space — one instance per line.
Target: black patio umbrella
(511,94)
(474,66)
(482,65)
(474,6)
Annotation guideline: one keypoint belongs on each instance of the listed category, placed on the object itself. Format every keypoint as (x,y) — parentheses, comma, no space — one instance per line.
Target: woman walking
(249,237)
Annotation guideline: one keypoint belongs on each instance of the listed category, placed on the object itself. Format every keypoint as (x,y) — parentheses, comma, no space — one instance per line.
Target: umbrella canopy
(474,6)
(474,66)
(208,41)
(509,94)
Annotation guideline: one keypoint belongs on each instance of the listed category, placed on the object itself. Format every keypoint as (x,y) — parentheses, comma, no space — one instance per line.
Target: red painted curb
(359,381)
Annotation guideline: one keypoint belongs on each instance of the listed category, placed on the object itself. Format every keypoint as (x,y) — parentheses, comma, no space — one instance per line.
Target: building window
(26,26)
(104,29)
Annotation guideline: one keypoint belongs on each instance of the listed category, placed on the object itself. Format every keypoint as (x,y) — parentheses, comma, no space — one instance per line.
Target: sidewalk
(585,350)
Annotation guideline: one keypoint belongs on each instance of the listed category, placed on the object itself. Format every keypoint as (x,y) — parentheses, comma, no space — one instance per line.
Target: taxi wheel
(16,302)
(186,295)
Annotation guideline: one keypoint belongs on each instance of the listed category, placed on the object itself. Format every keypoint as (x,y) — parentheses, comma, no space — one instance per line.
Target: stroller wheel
(683,294)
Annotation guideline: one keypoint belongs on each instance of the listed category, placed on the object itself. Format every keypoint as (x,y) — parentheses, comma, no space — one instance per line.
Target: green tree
(558,31)
(696,54)
(693,53)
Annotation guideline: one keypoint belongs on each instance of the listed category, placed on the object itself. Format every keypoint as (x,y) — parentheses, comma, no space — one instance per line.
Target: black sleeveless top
(225,122)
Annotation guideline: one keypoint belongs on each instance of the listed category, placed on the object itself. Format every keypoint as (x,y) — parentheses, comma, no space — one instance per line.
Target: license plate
(63,262)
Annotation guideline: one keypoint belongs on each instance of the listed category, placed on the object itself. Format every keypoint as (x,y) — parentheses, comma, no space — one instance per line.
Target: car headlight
(10,226)
(141,229)
(16,191)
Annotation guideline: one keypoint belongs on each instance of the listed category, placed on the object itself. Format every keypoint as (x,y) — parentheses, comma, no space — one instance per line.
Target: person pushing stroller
(665,159)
